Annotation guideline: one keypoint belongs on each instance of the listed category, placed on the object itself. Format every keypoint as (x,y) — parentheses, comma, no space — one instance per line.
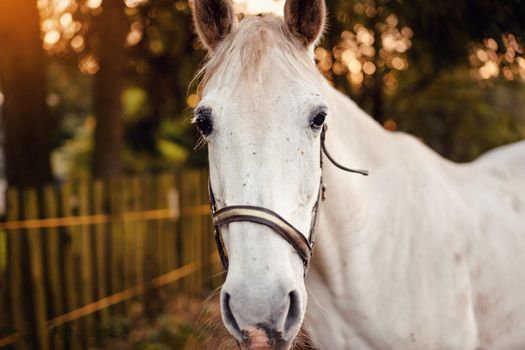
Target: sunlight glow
(259,6)
(369,68)
(193,100)
(51,38)
(488,59)
(93,4)
(362,52)
(61,5)
(135,34)
(88,65)
(134,37)
(66,19)
(58,24)
(399,63)
(52,100)
(77,43)
(135,3)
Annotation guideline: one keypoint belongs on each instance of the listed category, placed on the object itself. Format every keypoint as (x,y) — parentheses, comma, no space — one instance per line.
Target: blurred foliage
(461,120)
(162,58)
(451,72)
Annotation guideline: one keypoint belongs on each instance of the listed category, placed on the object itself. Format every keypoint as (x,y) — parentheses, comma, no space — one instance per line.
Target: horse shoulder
(416,245)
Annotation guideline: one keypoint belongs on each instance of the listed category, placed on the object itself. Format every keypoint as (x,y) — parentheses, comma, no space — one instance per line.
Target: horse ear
(214,20)
(305,19)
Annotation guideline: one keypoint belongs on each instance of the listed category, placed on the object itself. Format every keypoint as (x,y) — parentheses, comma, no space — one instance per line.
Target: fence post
(37,271)
(198,232)
(53,264)
(165,184)
(141,233)
(101,239)
(117,235)
(15,273)
(4,322)
(86,260)
(66,238)
(153,266)
(191,229)
(130,237)
(157,196)
(185,228)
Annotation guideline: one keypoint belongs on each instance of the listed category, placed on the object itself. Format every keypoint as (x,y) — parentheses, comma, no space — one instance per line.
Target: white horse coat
(422,254)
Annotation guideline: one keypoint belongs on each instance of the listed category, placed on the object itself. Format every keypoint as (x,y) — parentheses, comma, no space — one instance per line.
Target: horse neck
(355,140)
(354,134)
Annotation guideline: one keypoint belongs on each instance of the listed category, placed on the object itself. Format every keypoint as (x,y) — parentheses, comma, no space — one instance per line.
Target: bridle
(263,216)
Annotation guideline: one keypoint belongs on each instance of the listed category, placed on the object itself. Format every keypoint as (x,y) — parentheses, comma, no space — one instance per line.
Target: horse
(423,253)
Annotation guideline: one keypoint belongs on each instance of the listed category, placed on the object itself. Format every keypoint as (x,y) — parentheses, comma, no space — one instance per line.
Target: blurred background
(105,240)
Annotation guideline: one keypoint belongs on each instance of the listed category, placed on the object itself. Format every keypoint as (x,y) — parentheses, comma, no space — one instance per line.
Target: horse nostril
(294,312)
(277,318)
(227,315)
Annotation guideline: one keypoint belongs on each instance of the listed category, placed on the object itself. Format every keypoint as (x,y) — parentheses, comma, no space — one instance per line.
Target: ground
(183,323)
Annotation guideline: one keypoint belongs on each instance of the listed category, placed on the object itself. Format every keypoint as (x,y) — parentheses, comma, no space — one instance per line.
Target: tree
(434,69)
(170,60)
(413,43)
(111,28)
(26,121)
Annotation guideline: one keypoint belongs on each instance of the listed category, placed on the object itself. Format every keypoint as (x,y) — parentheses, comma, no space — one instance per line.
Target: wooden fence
(75,253)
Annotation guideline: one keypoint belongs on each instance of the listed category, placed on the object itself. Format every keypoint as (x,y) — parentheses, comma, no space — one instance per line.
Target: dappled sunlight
(88,65)
(193,100)
(363,52)
(93,4)
(360,55)
(58,25)
(135,34)
(489,62)
(135,3)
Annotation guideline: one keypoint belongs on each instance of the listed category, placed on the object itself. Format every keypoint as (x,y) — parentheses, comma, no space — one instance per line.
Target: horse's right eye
(203,121)
(318,120)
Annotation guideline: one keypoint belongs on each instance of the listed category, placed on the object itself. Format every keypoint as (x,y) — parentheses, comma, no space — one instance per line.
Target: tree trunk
(377,98)
(26,121)
(377,87)
(111,27)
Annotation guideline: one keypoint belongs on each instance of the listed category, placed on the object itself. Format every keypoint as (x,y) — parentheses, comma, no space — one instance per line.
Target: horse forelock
(254,41)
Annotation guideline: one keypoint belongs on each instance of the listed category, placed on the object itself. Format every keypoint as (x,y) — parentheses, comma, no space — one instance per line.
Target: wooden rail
(74,254)
(116,298)
(145,215)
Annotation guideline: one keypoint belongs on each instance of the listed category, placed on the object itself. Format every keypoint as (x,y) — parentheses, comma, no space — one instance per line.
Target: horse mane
(253,40)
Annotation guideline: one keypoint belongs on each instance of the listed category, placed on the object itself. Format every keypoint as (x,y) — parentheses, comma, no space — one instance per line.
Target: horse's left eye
(203,122)
(204,125)
(318,121)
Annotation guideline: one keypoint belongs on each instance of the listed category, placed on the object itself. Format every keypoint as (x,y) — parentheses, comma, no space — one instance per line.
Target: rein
(263,216)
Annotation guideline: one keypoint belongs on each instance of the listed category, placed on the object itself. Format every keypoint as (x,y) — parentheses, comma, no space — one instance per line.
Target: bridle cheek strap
(266,217)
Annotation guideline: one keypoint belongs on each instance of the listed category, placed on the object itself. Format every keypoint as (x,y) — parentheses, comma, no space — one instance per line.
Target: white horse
(422,254)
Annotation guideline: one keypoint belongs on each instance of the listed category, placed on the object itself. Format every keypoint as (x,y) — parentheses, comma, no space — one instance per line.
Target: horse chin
(256,338)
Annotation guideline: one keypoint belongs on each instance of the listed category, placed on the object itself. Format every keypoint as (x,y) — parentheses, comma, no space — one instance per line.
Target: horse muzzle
(262,338)
(269,320)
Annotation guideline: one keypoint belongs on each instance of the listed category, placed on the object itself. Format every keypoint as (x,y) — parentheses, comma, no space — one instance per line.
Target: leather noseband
(268,218)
